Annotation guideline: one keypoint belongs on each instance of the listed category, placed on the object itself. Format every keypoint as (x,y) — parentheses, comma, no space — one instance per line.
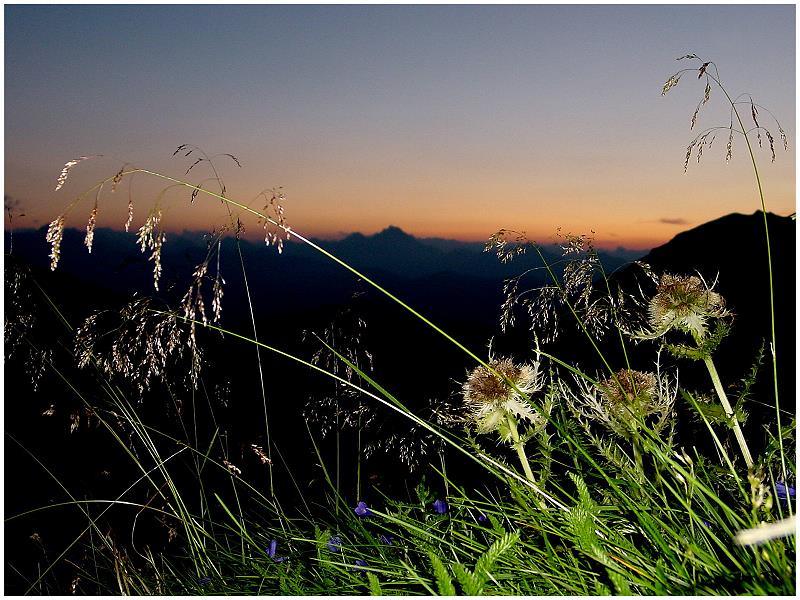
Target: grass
(584,489)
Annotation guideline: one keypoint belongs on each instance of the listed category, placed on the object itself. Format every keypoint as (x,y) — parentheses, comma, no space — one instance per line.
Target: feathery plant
(709,73)
(620,502)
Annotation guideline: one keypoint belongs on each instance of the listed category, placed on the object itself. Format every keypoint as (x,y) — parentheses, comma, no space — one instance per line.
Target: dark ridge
(731,253)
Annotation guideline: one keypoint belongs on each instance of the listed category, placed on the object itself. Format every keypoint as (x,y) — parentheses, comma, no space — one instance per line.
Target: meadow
(611,452)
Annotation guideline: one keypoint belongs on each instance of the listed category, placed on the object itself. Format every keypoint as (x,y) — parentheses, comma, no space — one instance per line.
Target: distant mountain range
(391,251)
(432,271)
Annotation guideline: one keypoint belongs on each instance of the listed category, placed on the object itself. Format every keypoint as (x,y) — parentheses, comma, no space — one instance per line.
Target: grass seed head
(55,233)
(62,178)
(90,227)
(150,236)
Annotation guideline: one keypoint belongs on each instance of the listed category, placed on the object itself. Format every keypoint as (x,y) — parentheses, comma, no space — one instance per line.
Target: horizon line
(607,245)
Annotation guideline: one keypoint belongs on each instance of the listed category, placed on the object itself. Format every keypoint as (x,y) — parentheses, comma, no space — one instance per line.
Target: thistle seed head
(684,303)
(489,398)
(629,390)
(623,402)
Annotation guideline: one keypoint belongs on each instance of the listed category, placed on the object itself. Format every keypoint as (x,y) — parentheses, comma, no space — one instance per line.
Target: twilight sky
(450,121)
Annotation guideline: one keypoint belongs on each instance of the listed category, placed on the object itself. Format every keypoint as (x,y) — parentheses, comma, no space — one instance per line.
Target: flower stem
(637,455)
(519,446)
(723,398)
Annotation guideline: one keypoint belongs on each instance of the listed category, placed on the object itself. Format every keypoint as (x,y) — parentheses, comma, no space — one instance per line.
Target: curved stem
(769,265)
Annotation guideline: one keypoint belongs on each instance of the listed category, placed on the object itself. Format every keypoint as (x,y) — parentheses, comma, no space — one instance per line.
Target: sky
(447,121)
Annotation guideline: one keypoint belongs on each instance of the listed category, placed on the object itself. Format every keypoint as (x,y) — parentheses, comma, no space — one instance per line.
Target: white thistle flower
(490,400)
(686,304)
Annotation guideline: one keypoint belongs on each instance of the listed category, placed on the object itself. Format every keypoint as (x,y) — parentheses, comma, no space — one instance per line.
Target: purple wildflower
(360,564)
(784,492)
(440,506)
(362,510)
(386,539)
(273,546)
(482,518)
(204,580)
(334,544)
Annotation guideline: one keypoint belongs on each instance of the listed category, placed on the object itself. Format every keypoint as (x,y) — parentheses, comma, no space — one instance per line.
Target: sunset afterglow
(447,121)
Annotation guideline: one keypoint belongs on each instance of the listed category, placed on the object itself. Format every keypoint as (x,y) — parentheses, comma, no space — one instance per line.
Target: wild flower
(360,564)
(784,492)
(497,399)
(204,580)
(628,399)
(386,539)
(272,549)
(685,303)
(440,506)
(629,391)
(334,544)
(361,510)
(493,394)
(482,518)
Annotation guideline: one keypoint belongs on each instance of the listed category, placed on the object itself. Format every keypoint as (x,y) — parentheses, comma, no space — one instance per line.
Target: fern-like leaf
(443,580)
(485,564)
(469,583)
(374,585)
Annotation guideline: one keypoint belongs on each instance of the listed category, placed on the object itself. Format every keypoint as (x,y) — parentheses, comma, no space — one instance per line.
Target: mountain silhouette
(732,252)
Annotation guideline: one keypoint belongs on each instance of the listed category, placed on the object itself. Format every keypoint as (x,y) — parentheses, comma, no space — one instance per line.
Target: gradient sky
(449,121)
